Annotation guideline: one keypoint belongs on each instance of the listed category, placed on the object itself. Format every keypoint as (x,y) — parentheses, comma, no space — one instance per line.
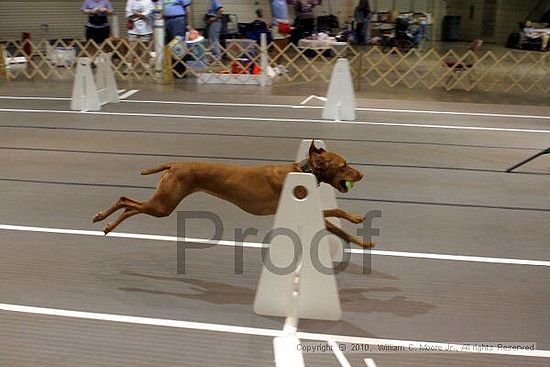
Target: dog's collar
(305,166)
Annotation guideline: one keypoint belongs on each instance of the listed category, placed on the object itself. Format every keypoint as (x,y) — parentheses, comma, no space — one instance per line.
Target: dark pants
(98,35)
(175,27)
(303,27)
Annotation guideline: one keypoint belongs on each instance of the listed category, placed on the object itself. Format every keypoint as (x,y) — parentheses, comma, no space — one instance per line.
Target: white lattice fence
(524,72)
(513,71)
(308,65)
(56,60)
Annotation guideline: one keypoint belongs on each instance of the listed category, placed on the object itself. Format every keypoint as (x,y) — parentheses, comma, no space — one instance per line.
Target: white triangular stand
(306,291)
(340,104)
(328,200)
(287,351)
(84,95)
(106,83)
(89,95)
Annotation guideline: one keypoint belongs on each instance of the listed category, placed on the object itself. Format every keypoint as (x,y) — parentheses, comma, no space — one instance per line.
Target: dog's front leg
(345,236)
(339,213)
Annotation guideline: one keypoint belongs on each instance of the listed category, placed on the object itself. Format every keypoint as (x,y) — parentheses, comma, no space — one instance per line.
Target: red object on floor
(256,69)
(238,68)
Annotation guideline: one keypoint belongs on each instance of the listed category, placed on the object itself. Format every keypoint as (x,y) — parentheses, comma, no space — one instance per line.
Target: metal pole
(263,60)
(3,65)
(158,27)
(115,27)
(546,151)
(159,45)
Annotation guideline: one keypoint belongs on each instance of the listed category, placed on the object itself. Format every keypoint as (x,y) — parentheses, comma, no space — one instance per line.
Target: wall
(64,19)
(492,20)
(471,13)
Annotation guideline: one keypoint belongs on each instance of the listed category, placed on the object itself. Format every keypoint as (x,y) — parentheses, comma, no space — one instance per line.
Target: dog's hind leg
(125,215)
(122,202)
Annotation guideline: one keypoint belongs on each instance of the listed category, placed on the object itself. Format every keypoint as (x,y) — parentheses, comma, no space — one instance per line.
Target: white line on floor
(272,119)
(417,255)
(120,91)
(129,93)
(232,104)
(369,362)
(338,354)
(33,310)
(432,112)
(324,99)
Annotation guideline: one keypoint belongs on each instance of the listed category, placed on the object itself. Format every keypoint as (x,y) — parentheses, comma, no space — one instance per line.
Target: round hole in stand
(300,192)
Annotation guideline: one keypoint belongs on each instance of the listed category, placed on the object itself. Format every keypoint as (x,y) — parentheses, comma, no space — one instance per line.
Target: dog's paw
(365,244)
(356,219)
(368,245)
(98,217)
(108,228)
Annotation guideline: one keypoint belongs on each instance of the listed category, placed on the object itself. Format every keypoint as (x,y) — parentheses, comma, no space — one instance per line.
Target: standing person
(279,11)
(305,19)
(177,14)
(139,14)
(362,15)
(215,22)
(97,28)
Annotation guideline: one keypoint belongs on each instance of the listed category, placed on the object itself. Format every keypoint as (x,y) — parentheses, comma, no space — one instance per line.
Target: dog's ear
(318,162)
(313,150)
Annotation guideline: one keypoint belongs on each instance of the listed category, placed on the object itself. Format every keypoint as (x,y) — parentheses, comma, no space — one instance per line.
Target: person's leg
(95,35)
(360,33)
(105,33)
(88,48)
(175,27)
(145,47)
(180,25)
(132,49)
(545,39)
(366,31)
(89,33)
(168,32)
(214,37)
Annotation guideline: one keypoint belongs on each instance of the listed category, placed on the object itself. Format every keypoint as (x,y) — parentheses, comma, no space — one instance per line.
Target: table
(321,45)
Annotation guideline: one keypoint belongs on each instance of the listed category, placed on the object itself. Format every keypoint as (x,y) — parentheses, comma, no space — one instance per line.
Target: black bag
(513,40)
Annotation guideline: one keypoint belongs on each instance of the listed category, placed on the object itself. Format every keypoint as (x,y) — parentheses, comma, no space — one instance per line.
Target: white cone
(106,82)
(307,292)
(85,96)
(340,104)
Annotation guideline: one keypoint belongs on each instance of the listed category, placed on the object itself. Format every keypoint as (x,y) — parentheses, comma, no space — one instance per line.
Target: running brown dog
(255,190)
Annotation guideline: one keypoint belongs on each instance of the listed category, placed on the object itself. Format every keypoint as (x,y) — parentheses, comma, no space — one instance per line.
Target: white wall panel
(65,20)
(62,17)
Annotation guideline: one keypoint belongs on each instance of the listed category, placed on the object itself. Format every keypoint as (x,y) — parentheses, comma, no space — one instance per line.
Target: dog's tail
(158,169)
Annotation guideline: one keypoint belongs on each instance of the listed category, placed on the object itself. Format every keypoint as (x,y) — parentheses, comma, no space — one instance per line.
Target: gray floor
(440,191)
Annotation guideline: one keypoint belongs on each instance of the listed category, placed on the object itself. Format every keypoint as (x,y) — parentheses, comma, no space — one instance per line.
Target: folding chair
(458,68)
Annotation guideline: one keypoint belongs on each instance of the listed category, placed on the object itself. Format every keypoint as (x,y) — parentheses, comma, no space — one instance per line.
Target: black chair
(327,24)
(302,28)
(230,28)
(255,29)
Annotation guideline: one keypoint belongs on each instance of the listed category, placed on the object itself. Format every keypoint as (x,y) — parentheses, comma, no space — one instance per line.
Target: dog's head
(332,169)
